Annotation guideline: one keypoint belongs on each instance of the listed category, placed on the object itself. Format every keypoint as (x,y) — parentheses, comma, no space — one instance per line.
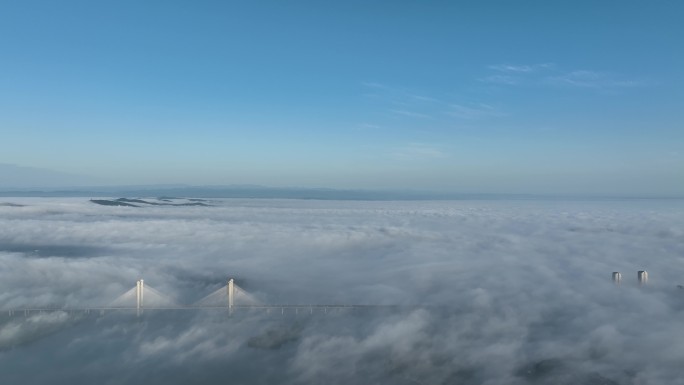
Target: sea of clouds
(492,292)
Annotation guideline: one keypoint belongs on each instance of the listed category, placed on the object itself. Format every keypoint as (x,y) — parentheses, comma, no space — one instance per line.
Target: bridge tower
(139,295)
(231,294)
(642,275)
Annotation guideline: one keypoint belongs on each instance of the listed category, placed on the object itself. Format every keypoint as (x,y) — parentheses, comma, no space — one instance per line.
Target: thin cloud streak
(472,112)
(418,106)
(521,68)
(549,75)
(502,79)
(591,79)
(411,114)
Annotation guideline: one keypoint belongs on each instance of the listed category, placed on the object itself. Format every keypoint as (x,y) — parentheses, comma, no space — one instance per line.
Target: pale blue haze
(461,96)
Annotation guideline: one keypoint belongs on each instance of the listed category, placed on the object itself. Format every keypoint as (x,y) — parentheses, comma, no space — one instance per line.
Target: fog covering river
(492,292)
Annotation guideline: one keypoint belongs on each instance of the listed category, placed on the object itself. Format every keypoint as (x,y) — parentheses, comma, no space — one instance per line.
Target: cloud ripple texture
(489,292)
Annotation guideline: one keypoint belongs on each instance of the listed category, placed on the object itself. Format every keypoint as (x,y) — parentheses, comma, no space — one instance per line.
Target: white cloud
(514,291)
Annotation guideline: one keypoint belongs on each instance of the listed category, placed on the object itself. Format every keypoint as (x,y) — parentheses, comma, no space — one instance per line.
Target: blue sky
(464,96)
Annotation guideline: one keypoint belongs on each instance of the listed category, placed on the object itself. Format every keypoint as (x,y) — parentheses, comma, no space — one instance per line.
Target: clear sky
(466,96)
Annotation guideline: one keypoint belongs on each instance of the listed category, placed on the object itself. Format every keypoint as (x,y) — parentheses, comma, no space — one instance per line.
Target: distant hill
(127,202)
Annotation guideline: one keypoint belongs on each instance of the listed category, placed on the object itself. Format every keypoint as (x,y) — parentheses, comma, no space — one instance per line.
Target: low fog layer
(492,292)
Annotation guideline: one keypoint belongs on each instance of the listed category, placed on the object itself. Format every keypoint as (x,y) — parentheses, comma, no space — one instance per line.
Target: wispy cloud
(398,95)
(411,114)
(422,98)
(369,126)
(550,75)
(400,102)
(526,68)
(503,79)
(374,85)
(472,112)
(591,79)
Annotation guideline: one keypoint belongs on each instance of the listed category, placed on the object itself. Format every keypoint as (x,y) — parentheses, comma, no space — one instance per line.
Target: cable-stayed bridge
(146,297)
(230,297)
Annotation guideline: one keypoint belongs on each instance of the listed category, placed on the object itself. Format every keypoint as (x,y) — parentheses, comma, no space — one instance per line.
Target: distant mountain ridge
(161,201)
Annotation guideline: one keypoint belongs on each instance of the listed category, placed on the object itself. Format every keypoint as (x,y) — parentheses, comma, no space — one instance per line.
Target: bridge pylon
(139,296)
(230,287)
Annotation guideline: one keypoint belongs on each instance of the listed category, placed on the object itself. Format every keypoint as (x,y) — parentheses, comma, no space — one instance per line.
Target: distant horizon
(297,192)
(31,186)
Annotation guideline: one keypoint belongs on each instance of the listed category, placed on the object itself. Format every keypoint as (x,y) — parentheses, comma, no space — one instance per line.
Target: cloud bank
(494,292)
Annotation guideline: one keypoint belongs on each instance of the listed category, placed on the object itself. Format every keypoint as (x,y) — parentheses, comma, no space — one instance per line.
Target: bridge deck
(235,307)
